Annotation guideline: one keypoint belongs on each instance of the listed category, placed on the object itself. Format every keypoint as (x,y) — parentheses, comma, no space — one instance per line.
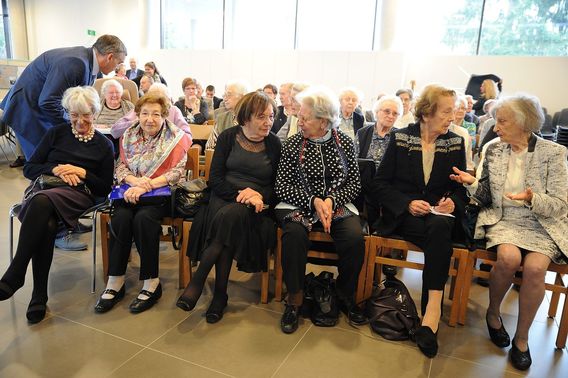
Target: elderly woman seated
(406,95)
(193,109)
(466,130)
(236,224)
(290,127)
(113,107)
(419,201)
(174,114)
(372,141)
(153,153)
(317,179)
(523,190)
(83,159)
(349,120)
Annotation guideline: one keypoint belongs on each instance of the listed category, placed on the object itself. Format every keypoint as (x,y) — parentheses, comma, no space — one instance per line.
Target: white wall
(58,23)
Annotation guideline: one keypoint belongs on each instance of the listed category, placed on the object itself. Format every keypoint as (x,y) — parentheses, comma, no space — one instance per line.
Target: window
(260,24)
(4,34)
(192,24)
(525,27)
(2,40)
(335,25)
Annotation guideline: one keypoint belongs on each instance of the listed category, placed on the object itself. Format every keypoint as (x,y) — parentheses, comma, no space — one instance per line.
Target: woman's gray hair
(461,100)
(386,98)
(81,100)
(526,110)
(324,104)
(160,88)
(111,83)
(345,91)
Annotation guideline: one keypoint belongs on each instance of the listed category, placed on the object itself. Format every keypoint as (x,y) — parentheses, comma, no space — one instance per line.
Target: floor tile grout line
(127,360)
(291,351)
(189,362)
(505,369)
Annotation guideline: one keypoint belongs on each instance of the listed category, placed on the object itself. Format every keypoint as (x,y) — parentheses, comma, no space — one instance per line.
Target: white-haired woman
(317,180)
(523,189)
(83,159)
(113,107)
(406,95)
(349,120)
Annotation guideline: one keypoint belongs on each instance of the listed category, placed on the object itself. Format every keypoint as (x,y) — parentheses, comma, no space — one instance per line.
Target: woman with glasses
(317,181)
(83,159)
(419,201)
(237,222)
(153,153)
(193,109)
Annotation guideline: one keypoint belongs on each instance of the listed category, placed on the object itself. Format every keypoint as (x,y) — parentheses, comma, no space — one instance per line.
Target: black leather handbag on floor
(188,197)
(391,310)
(320,300)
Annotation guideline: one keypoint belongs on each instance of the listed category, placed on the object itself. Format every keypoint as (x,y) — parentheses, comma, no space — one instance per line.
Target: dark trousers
(144,223)
(432,233)
(35,243)
(349,245)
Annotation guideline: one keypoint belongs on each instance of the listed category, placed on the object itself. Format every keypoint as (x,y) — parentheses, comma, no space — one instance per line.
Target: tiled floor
(73,341)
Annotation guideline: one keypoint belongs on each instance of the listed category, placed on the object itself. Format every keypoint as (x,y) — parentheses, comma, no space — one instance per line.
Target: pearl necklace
(84,137)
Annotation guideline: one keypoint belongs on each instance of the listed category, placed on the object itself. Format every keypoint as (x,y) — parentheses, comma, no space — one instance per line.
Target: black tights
(220,256)
(35,243)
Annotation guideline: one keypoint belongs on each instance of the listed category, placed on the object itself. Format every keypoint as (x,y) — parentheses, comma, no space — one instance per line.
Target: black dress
(239,163)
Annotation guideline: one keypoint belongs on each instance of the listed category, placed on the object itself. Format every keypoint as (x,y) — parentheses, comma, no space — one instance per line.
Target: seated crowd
(295,166)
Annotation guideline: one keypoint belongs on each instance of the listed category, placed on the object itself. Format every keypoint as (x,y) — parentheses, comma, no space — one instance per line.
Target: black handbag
(469,219)
(391,310)
(320,300)
(188,196)
(44,181)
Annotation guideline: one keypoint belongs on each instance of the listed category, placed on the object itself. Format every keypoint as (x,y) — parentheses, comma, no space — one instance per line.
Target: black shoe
(104,305)
(354,314)
(36,312)
(215,311)
(19,162)
(520,360)
(499,336)
(6,291)
(185,303)
(426,340)
(390,270)
(141,305)
(289,321)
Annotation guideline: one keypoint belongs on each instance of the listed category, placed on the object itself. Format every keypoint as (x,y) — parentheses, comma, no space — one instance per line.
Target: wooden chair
(174,224)
(319,236)
(557,287)
(380,248)
(200,132)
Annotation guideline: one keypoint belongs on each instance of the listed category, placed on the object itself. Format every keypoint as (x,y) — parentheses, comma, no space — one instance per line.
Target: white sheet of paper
(433,211)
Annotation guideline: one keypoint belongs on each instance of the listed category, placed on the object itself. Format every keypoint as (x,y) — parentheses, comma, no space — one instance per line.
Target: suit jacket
(546,174)
(139,72)
(279,120)
(358,122)
(400,177)
(33,104)
(216,102)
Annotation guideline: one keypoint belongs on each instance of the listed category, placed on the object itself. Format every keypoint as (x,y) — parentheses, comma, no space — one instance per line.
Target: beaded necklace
(84,137)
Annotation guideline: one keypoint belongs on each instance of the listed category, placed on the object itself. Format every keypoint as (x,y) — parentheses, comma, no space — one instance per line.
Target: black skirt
(236,226)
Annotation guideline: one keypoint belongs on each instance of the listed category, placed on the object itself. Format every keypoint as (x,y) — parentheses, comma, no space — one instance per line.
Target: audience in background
(210,93)
(225,118)
(469,113)
(469,128)
(120,71)
(350,121)
(406,96)
(270,90)
(133,72)
(488,91)
(145,82)
(113,107)
(291,126)
(192,107)
(284,108)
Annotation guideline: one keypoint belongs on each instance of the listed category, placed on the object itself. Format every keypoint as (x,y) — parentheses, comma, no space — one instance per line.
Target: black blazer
(400,177)
(216,102)
(358,122)
(364,137)
(139,72)
(279,120)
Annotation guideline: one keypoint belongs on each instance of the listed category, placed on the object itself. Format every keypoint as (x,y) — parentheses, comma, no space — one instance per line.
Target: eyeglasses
(389,112)
(150,115)
(84,116)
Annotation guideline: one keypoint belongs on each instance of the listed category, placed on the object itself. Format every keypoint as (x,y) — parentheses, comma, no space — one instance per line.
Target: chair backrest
(200,132)
(192,162)
(208,158)
(130,89)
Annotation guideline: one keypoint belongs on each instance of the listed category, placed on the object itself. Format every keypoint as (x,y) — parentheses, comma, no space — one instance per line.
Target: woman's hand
(246,194)
(68,169)
(257,203)
(445,206)
(324,209)
(71,179)
(132,194)
(193,103)
(462,177)
(418,208)
(141,182)
(526,196)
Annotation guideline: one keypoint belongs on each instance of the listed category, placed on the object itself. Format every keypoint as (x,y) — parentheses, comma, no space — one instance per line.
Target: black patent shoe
(140,305)
(289,321)
(215,311)
(499,336)
(104,305)
(426,340)
(520,360)
(354,314)
(36,312)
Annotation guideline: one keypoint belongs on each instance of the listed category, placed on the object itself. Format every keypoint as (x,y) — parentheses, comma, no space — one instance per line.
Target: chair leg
(94,242)
(361,283)
(555,297)
(563,329)
(278,267)
(371,244)
(184,275)
(103,222)
(467,278)
(462,260)
(264,280)
(11,234)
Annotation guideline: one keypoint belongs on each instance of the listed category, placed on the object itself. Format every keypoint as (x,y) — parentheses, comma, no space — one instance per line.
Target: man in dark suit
(133,72)
(210,93)
(33,104)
